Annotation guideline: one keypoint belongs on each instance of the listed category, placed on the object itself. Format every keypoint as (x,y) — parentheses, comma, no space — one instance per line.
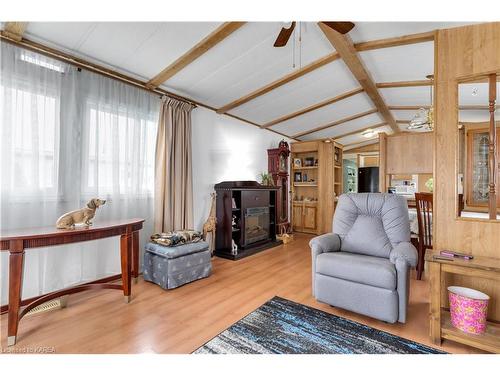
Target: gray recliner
(363,266)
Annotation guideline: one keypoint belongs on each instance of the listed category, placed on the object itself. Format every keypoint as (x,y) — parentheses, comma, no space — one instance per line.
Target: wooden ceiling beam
(372,127)
(363,46)
(335,123)
(14,30)
(371,147)
(424,82)
(211,40)
(395,41)
(345,48)
(361,142)
(407,107)
(280,82)
(314,107)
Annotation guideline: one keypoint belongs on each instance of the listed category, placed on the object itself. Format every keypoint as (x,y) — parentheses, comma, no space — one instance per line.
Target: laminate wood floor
(181,320)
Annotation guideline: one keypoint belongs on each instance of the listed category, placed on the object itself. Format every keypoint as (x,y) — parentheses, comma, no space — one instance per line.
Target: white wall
(225,149)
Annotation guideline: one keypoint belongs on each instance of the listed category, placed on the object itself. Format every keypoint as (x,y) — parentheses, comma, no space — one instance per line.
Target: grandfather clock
(278,168)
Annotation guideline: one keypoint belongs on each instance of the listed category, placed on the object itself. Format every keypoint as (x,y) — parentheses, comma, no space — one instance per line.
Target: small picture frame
(297,177)
(308,162)
(304,177)
(297,163)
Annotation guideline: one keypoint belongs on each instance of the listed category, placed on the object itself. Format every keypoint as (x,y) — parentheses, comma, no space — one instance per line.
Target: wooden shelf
(305,202)
(304,184)
(304,168)
(488,341)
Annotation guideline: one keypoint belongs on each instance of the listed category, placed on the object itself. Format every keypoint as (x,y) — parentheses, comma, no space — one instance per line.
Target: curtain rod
(81,63)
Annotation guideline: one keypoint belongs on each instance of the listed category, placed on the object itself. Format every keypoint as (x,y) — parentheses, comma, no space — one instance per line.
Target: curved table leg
(135,256)
(16,260)
(126,255)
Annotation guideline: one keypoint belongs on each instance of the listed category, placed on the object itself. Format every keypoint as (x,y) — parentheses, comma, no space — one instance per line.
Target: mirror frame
(492,79)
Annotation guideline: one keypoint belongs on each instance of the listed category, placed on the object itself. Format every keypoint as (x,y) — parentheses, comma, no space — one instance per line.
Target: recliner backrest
(371,223)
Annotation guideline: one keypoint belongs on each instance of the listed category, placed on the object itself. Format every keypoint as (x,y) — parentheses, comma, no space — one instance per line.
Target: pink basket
(468,308)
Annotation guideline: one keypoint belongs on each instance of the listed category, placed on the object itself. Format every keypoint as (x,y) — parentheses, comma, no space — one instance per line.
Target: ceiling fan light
(368,133)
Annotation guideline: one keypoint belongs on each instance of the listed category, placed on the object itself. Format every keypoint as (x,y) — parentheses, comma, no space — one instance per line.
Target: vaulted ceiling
(305,90)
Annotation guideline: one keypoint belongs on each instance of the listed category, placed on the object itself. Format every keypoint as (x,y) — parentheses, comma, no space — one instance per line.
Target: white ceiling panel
(403,115)
(345,108)
(246,61)
(475,116)
(69,35)
(105,41)
(346,127)
(360,138)
(402,63)
(164,46)
(321,84)
(406,95)
(365,31)
(473,93)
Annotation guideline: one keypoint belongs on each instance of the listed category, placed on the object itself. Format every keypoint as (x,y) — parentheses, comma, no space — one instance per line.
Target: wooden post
(492,162)
(435,302)
(382,157)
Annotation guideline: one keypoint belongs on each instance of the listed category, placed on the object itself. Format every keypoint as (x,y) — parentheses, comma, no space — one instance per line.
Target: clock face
(282,163)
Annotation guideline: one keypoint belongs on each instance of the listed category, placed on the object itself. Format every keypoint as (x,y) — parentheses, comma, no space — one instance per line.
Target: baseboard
(5,308)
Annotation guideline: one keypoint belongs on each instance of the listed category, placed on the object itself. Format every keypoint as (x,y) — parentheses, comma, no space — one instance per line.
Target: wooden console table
(15,241)
(440,322)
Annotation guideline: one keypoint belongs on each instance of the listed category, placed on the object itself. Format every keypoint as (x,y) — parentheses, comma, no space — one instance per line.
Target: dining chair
(424,219)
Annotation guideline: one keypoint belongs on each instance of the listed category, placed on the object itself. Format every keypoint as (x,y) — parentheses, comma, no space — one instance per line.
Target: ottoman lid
(171,252)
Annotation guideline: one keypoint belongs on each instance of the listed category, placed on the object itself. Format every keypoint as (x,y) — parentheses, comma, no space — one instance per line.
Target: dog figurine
(82,216)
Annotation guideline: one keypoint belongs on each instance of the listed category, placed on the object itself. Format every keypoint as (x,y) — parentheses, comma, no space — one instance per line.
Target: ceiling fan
(286,32)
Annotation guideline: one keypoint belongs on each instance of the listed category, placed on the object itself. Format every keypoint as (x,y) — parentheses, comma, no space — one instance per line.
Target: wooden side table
(440,322)
(16,241)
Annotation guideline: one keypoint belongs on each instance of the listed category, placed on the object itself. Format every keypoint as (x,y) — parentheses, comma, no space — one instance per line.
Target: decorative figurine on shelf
(234,248)
(210,224)
(233,222)
(83,216)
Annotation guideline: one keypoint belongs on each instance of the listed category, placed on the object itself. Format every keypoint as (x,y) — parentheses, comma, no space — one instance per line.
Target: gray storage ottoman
(171,267)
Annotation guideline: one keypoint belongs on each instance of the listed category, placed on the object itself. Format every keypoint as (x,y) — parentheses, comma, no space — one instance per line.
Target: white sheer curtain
(67,136)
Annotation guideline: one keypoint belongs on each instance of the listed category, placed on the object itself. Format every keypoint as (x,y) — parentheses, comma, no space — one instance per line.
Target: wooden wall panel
(461,53)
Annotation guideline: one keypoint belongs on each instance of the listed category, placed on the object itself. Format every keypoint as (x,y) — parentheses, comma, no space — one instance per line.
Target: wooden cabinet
(316,181)
(409,153)
(305,217)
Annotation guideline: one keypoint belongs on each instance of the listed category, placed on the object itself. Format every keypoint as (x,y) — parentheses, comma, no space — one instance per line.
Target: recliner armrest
(404,251)
(328,242)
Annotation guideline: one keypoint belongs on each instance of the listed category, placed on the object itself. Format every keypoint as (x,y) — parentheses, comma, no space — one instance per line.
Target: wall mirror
(478,177)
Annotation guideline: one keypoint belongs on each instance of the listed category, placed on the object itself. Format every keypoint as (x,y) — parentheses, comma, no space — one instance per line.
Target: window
(119,152)
(30,154)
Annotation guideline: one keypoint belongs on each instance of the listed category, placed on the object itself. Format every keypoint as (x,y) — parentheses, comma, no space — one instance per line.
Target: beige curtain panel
(173,176)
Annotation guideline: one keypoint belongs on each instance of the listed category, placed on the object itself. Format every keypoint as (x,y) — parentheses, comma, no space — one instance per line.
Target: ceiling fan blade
(284,35)
(340,27)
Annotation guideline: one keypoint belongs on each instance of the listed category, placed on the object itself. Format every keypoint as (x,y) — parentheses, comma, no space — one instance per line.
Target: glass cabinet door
(480,178)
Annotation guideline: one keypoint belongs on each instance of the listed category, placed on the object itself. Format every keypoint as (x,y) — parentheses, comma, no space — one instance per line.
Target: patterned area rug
(281,326)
